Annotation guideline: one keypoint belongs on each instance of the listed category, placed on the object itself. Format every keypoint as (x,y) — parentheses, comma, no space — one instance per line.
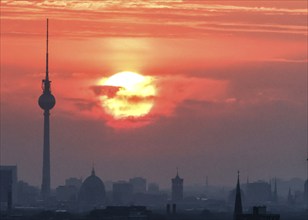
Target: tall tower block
(177,188)
(46,101)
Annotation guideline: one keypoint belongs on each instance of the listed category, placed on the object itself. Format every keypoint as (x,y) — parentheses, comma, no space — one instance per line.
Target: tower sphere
(47,101)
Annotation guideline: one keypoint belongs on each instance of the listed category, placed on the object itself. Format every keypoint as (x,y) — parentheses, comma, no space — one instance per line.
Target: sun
(127,94)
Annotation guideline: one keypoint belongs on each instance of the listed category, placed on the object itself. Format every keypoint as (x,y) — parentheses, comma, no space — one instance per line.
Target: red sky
(231,79)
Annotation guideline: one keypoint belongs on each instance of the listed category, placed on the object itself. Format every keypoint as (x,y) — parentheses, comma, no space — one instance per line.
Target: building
(8,181)
(72,181)
(69,192)
(122,192)
(306,192)
(121,213)
(153,188)
(66,193)
(139,184)
(258,193)
(27,195)
(92,192)
(108,185)
(177,188)
(259,213)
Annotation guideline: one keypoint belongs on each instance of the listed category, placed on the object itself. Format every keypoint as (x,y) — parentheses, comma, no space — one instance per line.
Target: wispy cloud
(157,18)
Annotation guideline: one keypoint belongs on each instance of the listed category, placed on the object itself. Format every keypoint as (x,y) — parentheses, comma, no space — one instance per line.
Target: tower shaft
(45,190)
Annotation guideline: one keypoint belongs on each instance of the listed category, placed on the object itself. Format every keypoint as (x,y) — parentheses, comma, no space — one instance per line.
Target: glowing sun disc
(127,94)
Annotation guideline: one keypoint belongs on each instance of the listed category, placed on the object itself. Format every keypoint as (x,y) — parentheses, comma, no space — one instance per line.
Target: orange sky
(223,62)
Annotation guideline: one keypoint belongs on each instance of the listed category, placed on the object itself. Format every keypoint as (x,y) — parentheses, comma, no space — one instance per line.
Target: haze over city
(226,83)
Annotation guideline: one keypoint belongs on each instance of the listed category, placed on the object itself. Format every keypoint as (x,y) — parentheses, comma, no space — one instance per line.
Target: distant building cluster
(91,193)
(259,212)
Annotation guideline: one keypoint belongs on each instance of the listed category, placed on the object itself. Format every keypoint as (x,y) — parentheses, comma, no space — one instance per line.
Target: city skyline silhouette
(142,91)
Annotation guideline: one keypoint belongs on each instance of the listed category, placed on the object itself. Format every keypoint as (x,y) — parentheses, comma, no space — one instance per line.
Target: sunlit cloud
(157,18)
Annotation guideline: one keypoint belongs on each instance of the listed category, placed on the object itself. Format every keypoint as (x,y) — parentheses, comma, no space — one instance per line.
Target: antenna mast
(46,82)
(47,77)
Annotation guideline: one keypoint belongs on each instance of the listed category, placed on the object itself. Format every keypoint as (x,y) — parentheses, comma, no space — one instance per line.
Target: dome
(92,190)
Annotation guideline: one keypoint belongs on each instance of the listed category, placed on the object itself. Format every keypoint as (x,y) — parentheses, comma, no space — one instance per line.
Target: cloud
(155,18)
(109,91)
(83,104)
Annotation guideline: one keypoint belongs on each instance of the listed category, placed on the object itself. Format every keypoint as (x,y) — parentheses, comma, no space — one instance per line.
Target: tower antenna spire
(47,71)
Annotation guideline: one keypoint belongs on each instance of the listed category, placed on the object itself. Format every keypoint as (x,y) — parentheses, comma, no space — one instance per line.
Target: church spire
(238,209)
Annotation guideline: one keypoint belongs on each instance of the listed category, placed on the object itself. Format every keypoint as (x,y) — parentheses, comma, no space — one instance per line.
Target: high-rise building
(139,184)
(70,190)
(153,188)
(8,181)
(177,188)
(46,101)
(27,195)
(122,192)
(306,192)
(258,192)
(238,208)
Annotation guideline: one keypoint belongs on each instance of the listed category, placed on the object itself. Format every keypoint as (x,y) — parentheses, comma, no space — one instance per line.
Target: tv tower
(46,101)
